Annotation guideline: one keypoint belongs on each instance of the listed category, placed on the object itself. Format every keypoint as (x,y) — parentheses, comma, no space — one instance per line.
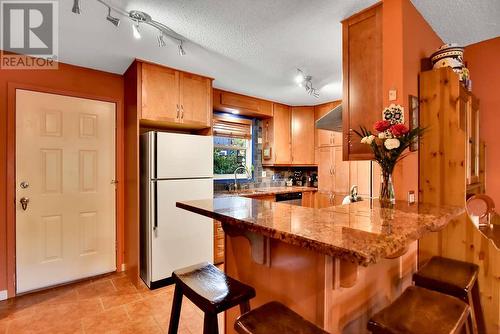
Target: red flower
(381,126)
(399,130)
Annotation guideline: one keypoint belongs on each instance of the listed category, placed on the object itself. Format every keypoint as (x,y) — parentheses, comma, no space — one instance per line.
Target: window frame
(249,148)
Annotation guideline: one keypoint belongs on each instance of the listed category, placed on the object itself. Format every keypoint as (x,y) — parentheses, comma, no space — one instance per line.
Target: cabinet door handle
(177,111)
(182,111)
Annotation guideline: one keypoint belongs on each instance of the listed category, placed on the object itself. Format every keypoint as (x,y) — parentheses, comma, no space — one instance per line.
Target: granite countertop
(361,232)
(255,192)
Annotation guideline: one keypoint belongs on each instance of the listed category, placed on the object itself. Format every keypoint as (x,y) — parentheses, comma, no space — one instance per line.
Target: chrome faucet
(236,177)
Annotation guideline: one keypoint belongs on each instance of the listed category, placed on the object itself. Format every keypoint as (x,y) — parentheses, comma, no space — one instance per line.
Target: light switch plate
(392,95)
(259,140)
(264,173)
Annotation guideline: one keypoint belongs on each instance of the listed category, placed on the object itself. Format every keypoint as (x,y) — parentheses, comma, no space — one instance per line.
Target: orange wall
(68,78)
(484,64)
(407,38)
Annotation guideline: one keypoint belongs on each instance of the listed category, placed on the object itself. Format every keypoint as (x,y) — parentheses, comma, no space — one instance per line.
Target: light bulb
(135,29)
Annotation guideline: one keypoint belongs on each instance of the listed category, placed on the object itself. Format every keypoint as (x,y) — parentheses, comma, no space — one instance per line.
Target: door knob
(24,202)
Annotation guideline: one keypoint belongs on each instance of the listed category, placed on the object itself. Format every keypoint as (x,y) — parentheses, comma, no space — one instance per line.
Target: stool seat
(448,276)
(421,311)
(274,317)
(210,289)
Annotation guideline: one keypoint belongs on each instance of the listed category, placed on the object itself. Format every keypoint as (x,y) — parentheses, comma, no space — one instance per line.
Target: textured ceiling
(462,21)
(252,47)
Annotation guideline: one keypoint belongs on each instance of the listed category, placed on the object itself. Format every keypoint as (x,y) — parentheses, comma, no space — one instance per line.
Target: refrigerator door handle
(155,209)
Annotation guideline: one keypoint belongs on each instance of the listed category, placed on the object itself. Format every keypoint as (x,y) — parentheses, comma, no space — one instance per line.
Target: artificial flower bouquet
(388,143)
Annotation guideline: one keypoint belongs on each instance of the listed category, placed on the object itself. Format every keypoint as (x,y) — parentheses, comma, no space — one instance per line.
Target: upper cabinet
(325,137)
(303,135)
(289,136)
(362,73)
(242,104)
(172,98)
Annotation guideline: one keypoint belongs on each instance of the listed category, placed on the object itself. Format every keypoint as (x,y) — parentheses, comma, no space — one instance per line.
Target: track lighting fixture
(139,18)
(136,30)
(161,41)
(305,81)
(181,49)
(76,7)
(112,19)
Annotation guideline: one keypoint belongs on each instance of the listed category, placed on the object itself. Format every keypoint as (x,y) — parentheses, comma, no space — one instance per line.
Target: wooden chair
(211,290)
(481,206)
(274,318)
(454,278)
(421,311)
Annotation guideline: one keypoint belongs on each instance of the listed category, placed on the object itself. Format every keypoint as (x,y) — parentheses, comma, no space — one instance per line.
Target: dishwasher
(290,198)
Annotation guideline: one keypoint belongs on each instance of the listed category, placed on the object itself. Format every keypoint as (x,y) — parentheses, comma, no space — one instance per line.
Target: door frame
(11,173)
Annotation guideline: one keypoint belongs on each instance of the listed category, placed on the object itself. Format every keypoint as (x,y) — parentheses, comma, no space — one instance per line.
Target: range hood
(332,120)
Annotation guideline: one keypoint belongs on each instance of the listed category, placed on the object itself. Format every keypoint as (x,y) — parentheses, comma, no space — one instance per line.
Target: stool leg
(245,307)
(472,314)
(210,324)
(176,311)
(475,304)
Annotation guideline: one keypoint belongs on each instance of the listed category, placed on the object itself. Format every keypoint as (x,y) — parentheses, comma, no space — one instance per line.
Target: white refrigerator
(174,167)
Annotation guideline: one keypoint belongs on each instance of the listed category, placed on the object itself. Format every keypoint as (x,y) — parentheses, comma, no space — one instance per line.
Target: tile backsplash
(275,176)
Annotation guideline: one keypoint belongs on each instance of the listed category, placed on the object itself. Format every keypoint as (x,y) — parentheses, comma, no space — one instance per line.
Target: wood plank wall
(443,181)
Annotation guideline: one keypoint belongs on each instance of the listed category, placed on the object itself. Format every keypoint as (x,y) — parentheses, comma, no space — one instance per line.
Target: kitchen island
(335,266)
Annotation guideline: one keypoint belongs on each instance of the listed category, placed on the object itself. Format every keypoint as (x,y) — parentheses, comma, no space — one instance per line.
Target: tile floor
(108,304)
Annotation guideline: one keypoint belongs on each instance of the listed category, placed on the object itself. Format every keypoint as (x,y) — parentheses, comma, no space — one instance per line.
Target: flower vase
(387,196)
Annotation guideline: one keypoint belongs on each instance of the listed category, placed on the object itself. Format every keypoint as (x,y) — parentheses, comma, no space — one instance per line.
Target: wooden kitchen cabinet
(362,84)
(218,242)
(325,137)
(360,175)
(195,99)
(277,135)
(289,136)
(160,93)
(333,171)
(174,98)
(303,136)
(245,105)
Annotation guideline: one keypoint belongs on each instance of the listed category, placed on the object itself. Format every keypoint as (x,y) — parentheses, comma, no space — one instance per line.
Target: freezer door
(181,238)
(183,156)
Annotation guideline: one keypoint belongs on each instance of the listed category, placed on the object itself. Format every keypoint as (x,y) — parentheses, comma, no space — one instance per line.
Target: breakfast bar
(335,266)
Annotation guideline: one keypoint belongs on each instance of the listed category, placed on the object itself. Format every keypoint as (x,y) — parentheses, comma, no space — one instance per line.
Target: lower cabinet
(218,242)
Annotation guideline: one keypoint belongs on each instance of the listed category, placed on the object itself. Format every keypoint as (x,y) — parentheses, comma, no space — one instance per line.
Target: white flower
(392,143)
(381,135)
(368,139)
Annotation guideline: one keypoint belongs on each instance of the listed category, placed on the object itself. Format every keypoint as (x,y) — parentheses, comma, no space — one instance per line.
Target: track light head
(181,49)
(76,7)
(161,41)
(136,30)
(114,20)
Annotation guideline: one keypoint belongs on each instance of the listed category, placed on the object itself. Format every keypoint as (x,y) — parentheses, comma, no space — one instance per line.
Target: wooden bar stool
(421,311)
(454,278)
(211,290)
(273,318)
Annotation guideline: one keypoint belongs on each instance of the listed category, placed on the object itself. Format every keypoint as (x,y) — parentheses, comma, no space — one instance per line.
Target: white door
(182,238)
(65,164)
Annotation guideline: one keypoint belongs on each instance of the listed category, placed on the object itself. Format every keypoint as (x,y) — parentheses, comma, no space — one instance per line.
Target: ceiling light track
(139,18)
(305,81)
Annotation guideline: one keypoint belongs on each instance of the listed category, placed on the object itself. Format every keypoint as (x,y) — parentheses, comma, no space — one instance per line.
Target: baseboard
(3,295)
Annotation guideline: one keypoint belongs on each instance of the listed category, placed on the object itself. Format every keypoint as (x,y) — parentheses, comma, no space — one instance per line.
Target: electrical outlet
(392,95)
(411,197)
(264,173)
(259,140)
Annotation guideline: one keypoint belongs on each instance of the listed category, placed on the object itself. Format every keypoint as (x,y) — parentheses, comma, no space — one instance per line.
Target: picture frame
(414,121)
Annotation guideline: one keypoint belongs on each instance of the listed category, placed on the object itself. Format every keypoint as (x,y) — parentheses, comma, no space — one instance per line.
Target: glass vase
(387,196)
